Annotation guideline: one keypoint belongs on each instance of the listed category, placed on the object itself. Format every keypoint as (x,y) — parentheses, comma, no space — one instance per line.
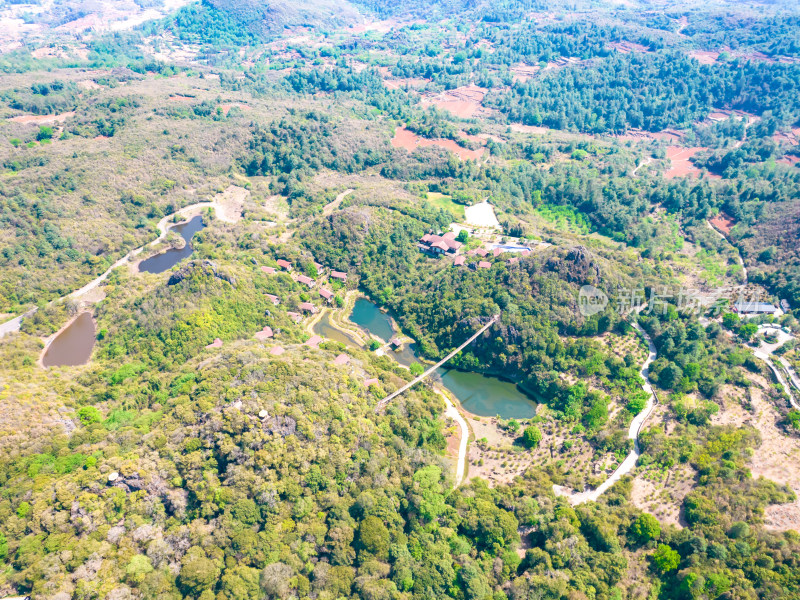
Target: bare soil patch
(723,223)
(464,102)
(704,57)
(43,119)
(626,47)
(226,108)
(403,138)
(681,165)
(230,203)
(778,456)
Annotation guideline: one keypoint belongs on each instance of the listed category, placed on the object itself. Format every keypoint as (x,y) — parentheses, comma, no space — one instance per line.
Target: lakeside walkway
(382,404)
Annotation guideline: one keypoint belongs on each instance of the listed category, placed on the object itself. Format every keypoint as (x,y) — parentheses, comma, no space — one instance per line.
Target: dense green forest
(212,449)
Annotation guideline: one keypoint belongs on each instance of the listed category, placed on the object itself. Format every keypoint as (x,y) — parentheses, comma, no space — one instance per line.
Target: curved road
(765,351)
(633,433)
(13,325)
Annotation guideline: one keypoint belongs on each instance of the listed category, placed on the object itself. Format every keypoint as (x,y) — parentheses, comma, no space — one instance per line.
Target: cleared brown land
(722,223)
(43,119)
(681,165)
(403,138)
(464,102)
(778,456)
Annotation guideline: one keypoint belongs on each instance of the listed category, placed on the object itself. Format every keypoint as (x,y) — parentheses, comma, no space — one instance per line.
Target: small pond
(481,395)
(74,345)
(169,258)
(325,328)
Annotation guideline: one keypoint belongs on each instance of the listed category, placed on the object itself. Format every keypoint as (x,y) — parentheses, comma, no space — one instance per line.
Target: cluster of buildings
(446,244)
(439,244)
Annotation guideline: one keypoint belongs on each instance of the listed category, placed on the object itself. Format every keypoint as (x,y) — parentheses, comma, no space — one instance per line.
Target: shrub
(665,559)
(531,436)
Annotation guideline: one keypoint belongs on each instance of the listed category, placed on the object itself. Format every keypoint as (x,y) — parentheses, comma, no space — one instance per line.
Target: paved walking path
(393,395)
(765,351)
(633,433)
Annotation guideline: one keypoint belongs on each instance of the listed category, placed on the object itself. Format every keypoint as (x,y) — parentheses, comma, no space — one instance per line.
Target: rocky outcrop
(575,265)
(197,267)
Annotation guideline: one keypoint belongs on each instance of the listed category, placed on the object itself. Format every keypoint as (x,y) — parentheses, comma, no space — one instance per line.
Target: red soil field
(704,57)
(681,167)
(403,138)
(723,223)
(226,108)
(43,119)
(463,102)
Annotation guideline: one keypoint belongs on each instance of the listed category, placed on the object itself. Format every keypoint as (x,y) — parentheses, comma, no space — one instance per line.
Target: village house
(313,341)
(439,244)
(285,264)
(304,279)
(754,308)
(273,298)
(371,381)
(327,294)
(459,261)
(268,270)
(308,307)
(484,265)
(264,334)
(339,275)
(276,351)
(296,317)
(342,359)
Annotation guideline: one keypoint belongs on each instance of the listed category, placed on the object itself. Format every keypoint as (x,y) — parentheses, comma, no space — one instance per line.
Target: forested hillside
(230,231)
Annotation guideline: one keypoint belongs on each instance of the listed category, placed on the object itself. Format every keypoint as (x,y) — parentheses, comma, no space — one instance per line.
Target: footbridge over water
(382,404)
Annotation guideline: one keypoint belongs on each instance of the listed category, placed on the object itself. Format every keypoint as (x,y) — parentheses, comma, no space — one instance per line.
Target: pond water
(368,316)
(481,395)
(169,258)
(74,345)
(487,396)
(324,328)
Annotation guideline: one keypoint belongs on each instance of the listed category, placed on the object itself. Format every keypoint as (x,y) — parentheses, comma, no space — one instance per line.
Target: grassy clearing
(446,203)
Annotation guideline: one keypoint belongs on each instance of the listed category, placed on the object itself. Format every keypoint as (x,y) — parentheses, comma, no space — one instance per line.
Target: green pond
(325,328)
(479,394)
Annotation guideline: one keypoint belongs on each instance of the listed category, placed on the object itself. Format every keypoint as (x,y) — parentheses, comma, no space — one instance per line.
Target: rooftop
(264,334)
(313,341)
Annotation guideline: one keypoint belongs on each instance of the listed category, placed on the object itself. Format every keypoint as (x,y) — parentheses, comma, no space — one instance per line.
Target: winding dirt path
(633,433)
(333,205)
(739,258)
(455,414)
